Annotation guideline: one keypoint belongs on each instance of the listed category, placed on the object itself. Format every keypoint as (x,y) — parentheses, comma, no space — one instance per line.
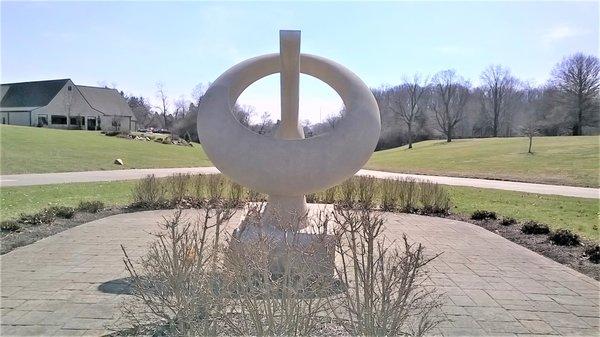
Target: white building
(64,105)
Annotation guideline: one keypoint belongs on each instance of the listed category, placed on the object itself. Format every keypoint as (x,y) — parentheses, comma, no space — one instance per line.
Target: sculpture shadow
(120,286)
(124,286)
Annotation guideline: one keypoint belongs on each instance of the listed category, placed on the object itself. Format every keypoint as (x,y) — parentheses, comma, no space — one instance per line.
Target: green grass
(557,160)
(30,199)
(40,150)
(578,214)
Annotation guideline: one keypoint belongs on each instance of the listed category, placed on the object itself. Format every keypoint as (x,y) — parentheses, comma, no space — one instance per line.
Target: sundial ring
(282,166)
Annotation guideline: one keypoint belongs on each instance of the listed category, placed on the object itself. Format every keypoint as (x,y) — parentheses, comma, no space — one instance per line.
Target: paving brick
(11,317)
(538,327)
(70,333)
(560,319)
(583,310)
(463,322)
(482,299)
(490,314)
(503,327)
(463,332)
(524,315)
(10,303)
(449,309)
(505,294)
(575,331)
(42,305)
(462,301)
(34,318)
(571,300)
(86,323)
(28,330)
(592,321)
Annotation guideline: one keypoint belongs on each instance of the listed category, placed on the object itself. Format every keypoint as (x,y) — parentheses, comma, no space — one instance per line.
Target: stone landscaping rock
(119,161)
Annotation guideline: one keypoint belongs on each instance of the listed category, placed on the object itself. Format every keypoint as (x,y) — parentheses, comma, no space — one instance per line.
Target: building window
(77,120)
(42,120)
(58,119)
(3,120)
(69,88)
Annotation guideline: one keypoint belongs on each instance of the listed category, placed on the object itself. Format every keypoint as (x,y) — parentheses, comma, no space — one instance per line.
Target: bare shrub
(290,303)
(235,195)
(215,187)
(254,196)
(199,183)
(330,194)
(149,193)
(312,198)
(366,188)
(173,285)
(90,206)
(348,192)
(389,194)
(385,292)
(408,191)
(434,198)
(177,185)
(191,284)
(40,218)
(10,225)
(63,212)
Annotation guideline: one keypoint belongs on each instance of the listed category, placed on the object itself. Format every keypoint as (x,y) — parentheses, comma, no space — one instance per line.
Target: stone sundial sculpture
(288,166)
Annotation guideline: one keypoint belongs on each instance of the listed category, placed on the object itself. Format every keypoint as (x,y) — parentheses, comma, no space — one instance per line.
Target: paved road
(492,285)
(91,176)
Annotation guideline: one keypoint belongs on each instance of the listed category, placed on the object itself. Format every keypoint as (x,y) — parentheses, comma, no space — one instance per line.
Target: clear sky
(134,45)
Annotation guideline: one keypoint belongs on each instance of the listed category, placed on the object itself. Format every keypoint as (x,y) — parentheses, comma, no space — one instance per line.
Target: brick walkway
(493,286)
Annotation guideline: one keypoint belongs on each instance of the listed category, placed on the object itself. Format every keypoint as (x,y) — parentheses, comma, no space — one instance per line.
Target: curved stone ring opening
(288,167)
(268,132)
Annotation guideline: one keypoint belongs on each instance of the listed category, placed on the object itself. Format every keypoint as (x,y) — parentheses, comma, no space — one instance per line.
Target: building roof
(105,100)
(30,94)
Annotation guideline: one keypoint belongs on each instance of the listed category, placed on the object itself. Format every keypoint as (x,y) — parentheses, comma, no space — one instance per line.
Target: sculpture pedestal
(285,212)
(310,250)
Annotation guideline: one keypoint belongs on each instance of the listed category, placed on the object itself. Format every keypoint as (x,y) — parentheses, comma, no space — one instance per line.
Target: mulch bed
(30,234)
(571,256)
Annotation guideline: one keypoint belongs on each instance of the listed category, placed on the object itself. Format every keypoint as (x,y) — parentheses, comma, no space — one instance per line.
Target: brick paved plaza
(493,286)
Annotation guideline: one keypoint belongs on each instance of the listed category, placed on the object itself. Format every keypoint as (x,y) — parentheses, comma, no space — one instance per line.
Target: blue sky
(134,45)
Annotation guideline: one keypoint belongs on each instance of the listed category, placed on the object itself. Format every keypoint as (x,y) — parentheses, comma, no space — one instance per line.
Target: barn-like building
(64,105)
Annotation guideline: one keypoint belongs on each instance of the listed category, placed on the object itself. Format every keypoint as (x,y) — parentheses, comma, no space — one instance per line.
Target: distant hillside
(39,150)
(557,160)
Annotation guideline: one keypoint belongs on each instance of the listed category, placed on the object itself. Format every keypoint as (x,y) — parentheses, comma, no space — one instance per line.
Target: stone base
(310,250)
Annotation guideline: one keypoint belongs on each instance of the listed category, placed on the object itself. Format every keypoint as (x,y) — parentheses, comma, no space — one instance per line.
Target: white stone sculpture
(287,166)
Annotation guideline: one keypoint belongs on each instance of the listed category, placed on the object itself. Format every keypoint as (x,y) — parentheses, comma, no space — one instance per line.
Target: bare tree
(530,101)
(198,92)
(449,97)
(164,100)
(408,102)
(181,107)
(243,113)
(265,123)
(333,120)
(578,80)
(498,85)
(115,122)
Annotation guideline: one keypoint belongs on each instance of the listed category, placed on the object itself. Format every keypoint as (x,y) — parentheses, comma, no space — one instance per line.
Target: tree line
(444,105)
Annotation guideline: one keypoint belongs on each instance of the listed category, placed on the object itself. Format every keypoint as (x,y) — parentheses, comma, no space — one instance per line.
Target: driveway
(91,176)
